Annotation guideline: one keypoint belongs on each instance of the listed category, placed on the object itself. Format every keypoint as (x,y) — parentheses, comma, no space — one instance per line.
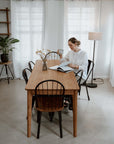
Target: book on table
(63,67)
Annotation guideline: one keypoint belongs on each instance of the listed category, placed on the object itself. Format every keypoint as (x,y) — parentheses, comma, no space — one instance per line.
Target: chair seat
(50,109)
(49,101)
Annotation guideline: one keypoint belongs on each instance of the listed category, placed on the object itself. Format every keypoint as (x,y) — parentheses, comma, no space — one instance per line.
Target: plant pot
(4,57)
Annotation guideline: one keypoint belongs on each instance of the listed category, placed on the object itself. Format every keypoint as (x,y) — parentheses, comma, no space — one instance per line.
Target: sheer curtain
(54,22)
(45,23)
(112,54)
(81,17)
(27,17)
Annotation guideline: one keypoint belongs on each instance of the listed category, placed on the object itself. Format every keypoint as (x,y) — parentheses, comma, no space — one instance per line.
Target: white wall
(112,64)
(3,5)
(102,68)
(3,27)
(112,55)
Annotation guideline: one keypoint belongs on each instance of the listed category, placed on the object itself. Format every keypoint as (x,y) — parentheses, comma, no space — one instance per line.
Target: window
(28,27)
(81,17)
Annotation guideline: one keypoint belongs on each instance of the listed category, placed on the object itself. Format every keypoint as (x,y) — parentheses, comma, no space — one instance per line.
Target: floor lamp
(93,36)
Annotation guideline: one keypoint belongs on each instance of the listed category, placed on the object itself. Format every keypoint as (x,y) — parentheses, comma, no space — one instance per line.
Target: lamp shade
(94,35)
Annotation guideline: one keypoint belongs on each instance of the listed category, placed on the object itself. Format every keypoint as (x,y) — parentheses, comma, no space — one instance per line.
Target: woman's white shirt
(79,58)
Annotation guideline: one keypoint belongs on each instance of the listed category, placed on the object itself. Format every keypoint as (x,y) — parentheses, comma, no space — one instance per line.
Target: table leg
(74,97)
(29,112)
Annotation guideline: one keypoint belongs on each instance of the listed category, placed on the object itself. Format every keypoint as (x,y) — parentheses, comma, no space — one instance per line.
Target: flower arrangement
(43,55)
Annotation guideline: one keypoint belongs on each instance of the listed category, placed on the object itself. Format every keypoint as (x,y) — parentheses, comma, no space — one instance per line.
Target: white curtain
(112,51)
(81,17)
(112,64)
(27,25)
(50,23)
(54,24)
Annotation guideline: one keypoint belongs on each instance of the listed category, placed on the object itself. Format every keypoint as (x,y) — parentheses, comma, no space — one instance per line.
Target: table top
(67,79)
(4,63)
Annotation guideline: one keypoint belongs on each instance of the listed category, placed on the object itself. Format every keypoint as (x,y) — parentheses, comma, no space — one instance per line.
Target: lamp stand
(92,85)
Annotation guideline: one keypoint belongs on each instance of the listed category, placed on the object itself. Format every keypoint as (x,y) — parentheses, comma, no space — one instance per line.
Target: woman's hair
(74,41)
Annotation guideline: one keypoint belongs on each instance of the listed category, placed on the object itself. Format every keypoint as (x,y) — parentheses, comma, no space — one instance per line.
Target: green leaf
(6,42)
(14,41)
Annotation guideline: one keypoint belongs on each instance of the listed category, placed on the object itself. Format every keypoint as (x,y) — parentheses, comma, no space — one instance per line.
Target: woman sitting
(77,57)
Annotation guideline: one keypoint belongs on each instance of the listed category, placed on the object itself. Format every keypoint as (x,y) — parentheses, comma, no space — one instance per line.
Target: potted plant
(6,47)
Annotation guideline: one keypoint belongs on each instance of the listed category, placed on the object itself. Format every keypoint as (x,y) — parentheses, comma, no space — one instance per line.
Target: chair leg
(60,124)
(51,115)
(39,121)
(70,103)
(87,93)
(80,90)
(33,100)
(37,115)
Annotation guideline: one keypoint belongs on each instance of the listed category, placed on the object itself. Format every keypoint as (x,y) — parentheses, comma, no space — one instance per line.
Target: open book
(62,67)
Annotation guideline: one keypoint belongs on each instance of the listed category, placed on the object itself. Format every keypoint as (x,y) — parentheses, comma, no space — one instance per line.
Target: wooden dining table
(67,79)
